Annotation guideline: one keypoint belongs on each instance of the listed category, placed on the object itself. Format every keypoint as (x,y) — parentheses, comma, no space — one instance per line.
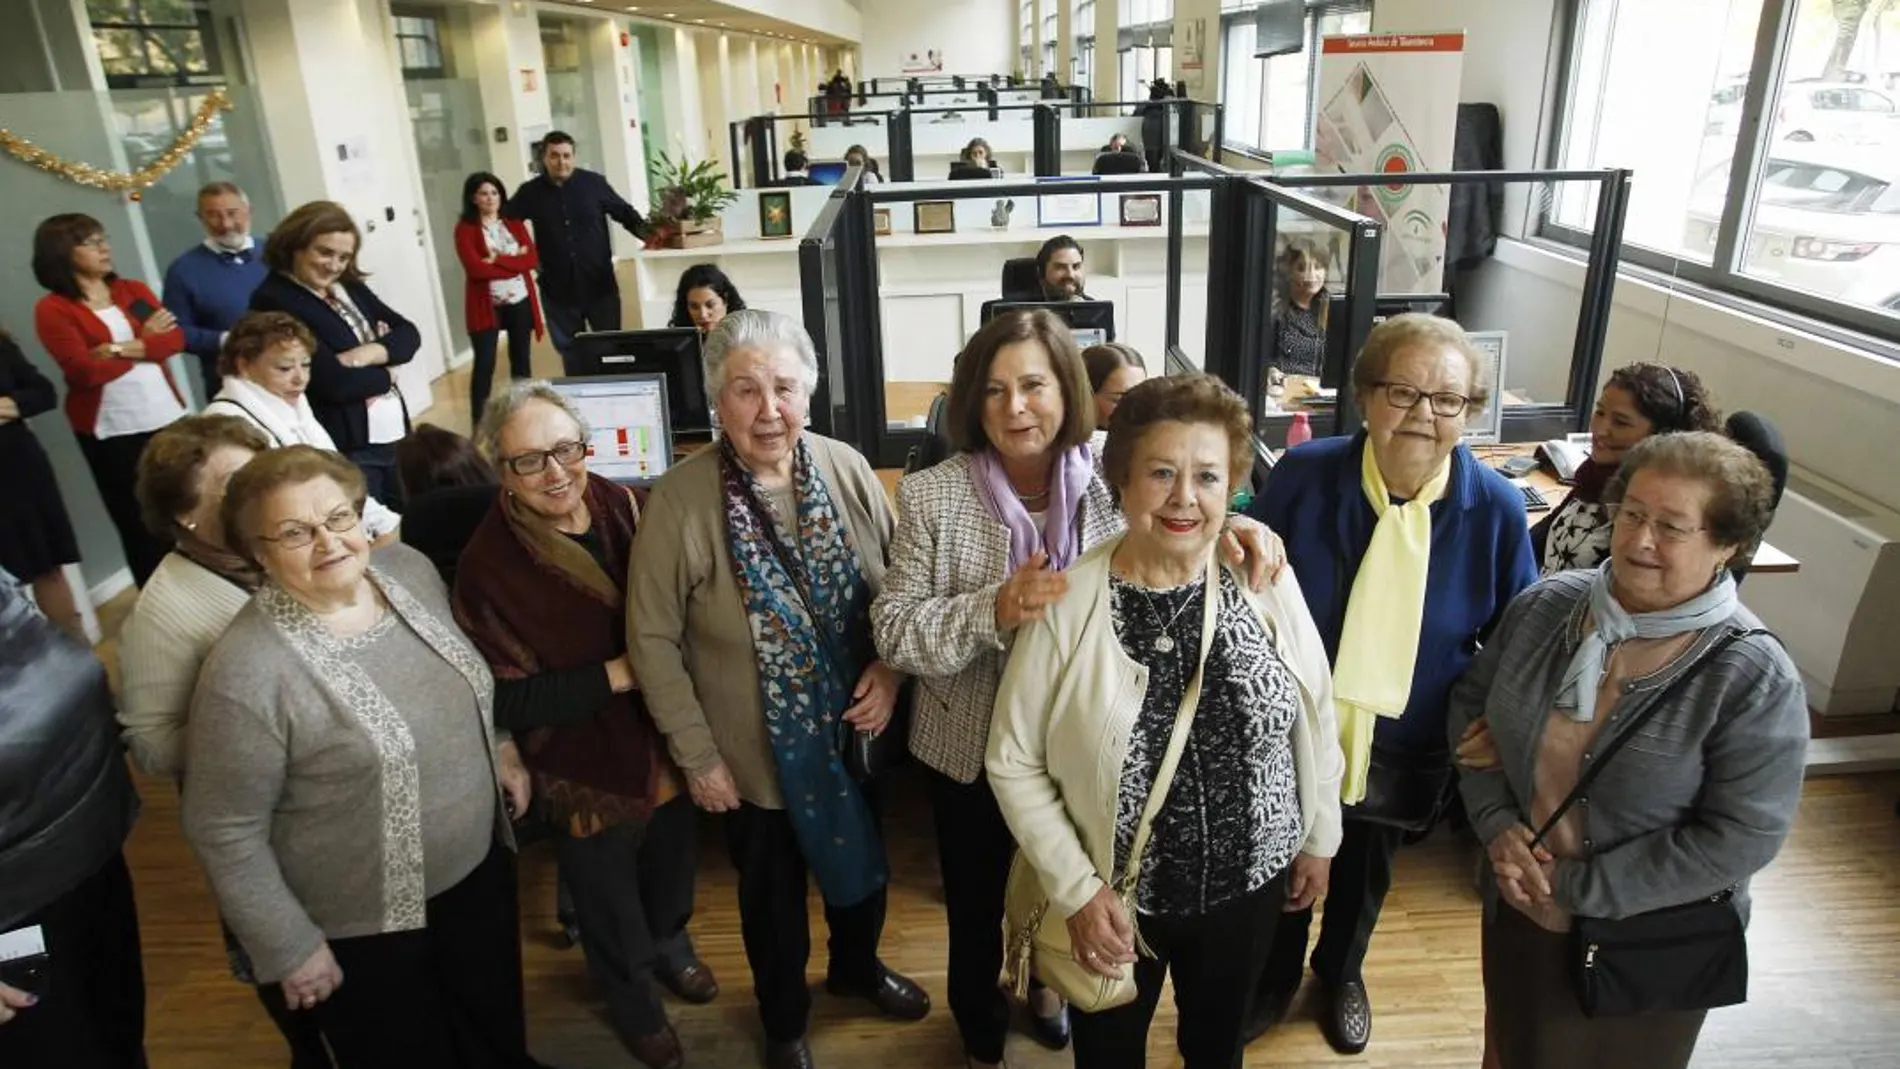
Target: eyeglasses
(299,535)
(1405,398)
(535,461)
(1635,520)
(97,241)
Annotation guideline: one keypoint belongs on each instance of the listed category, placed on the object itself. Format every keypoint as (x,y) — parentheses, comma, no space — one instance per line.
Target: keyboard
(1533,501)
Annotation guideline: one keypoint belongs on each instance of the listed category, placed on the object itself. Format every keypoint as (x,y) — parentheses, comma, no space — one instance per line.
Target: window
(1082,56)
(419,41)
(1270,101)
(153,42)
(1782,190)
(1049,35)
(1026,43)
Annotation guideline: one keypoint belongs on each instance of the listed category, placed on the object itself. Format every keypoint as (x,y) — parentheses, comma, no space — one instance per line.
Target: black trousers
(517,320)
(301,1032)
(565,320)
(91,1014)
(1361,876)
(115,467)
(633,894)
(1213,958)
(378,465)
(448,995)
(974,848)
(777,929)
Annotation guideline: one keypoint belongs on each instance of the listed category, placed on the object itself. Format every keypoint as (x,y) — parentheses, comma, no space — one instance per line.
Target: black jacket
(340,395)
(570,228)
(32,391)
(66,800)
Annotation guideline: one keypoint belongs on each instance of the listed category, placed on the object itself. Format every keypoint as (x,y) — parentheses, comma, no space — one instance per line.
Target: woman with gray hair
(1651,738)
(541,590)
(750,632)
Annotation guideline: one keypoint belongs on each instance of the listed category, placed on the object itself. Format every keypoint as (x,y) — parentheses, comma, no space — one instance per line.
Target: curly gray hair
(502,407)
(756,328)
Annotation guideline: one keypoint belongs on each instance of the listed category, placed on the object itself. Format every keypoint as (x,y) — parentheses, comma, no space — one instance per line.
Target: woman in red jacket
(111,338)
(500,259)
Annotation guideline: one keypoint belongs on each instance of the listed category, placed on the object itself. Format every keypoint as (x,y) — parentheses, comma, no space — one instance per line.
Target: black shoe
(898,996)
(1269,1008)
(1347,1017)
(793,1055)
(570,936)
(1051,1031)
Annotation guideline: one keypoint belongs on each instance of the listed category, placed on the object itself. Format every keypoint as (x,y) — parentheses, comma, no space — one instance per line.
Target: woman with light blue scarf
(1648,675)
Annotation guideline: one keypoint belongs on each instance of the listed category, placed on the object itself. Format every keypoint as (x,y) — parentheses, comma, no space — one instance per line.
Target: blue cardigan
(1481,559)
(209,292)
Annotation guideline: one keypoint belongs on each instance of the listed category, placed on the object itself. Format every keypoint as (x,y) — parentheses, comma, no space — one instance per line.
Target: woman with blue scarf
(749,631)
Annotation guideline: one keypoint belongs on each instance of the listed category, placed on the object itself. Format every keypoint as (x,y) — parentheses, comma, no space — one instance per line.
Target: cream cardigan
(180,614)
(1068,703)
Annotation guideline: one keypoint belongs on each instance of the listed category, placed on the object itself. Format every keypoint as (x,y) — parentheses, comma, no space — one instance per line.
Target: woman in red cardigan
(500,259)
(111,338)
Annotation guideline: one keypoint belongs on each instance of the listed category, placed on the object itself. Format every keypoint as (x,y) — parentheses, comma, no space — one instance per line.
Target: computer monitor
(672,352)
(826,172)
(1387,305)
(632,440)
(1092,322)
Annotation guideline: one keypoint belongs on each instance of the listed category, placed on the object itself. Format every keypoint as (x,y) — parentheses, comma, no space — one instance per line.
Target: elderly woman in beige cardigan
(749,630)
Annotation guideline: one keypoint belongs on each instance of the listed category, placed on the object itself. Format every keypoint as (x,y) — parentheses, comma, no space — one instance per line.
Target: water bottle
(1301,432)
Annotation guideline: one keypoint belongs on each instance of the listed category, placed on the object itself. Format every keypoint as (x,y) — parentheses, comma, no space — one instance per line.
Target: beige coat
(687,632)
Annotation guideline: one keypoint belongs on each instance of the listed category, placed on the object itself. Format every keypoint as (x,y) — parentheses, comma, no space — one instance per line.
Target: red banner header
(1395,42)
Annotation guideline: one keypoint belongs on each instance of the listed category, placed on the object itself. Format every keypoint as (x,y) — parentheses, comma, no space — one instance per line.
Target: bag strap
(1177,739)
(1615,745)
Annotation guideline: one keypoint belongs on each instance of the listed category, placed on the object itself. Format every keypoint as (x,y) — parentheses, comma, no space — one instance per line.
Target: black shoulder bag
(1688,957)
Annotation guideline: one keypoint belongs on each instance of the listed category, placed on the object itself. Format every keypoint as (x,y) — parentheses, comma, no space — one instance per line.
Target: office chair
(1118,163)
(1020,281)
(965,171)
(935,448)
(1756,434)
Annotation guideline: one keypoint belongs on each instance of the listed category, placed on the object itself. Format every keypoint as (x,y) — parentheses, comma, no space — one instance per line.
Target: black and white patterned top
(1231,821)
(1299,342)
(1579,537)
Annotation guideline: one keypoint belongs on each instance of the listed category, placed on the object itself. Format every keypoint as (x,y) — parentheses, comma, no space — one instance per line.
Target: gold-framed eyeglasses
(535,461)
(97,241)
(1406,397)
(1633,520)
(300,535)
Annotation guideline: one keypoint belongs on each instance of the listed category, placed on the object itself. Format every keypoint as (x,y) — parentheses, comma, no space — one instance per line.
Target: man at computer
(795,174)
(1059,269)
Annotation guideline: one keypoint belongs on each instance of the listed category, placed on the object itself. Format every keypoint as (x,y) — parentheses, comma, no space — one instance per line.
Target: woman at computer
(704,297)
(1299,308)
(859,156)
(542,592)
(975,156)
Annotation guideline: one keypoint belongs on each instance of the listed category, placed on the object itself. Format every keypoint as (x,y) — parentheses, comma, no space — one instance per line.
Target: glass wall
(570,78)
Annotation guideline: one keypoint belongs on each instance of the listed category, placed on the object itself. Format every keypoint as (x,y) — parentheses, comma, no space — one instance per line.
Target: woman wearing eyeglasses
(542,591)
(1407,549)
(348,797)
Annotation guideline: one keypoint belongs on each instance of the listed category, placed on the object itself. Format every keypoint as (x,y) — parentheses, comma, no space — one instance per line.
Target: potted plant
(687,198)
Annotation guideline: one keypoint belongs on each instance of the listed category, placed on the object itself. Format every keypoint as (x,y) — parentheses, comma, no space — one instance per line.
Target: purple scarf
(1069,480)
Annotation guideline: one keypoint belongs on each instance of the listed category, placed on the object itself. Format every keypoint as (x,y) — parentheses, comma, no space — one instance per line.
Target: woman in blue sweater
(1407,549)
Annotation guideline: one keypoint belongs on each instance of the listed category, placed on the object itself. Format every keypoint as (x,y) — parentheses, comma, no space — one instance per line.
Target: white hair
(503,406)
(754,328)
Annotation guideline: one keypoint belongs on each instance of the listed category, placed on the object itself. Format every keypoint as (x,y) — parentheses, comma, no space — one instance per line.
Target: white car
(1827,221)
(1830,113)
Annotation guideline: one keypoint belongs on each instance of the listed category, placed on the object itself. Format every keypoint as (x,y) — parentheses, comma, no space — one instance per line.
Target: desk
(909,402)
(1768,560)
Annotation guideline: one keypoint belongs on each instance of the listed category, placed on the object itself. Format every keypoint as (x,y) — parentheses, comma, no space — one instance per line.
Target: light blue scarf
(1577,696)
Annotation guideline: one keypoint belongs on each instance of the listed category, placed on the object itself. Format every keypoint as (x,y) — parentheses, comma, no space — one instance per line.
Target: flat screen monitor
(1092,322)
(631,439)
(826,172)
(673,352)
(1387,305)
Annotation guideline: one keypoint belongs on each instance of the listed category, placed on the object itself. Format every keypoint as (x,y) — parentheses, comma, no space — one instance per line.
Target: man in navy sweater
(209,286)
(569,208)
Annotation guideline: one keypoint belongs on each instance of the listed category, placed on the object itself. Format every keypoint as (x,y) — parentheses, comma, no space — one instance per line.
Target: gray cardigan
(1697,801)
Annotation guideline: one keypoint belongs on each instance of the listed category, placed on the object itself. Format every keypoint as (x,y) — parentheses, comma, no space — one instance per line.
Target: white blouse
(501,242)
(138,401)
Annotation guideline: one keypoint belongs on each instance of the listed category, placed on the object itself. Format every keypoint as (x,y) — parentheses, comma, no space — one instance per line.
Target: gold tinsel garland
(86,174)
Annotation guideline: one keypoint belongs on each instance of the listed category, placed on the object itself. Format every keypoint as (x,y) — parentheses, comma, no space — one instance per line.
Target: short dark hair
(1051,247)
(707,276)
(1195,398)
(555,137)
(1741,492)
(53,243)
(1107,358)
(435,458)
(964,410)
(276,468)
(258,333)
(305,225)
(796,160)
(167,480)
(1670,398)
(472,185)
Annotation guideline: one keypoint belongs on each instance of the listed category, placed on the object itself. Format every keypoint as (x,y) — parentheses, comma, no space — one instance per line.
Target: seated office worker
(1059,269)
(569,207)
(1407,549)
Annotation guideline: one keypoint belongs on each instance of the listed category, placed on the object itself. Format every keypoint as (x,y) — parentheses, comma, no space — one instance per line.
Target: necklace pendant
(1164,644)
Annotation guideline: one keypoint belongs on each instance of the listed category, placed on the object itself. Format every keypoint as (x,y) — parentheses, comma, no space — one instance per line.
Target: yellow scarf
(1378,647)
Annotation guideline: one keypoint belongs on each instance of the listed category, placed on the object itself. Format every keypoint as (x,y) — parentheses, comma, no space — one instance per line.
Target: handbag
(1034,947)
(1692,956)
(1405,789)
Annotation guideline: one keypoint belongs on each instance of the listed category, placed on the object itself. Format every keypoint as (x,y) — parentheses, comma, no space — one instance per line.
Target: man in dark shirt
(1059,268)
(569,207)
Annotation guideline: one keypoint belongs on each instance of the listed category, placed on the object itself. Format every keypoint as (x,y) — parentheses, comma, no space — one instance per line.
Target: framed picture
(935,216)
(880,221)
(1069,209)
(1141,209)
(775,213)
(1487,424)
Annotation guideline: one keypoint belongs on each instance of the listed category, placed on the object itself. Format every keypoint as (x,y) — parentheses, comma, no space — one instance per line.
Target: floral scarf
(809,610)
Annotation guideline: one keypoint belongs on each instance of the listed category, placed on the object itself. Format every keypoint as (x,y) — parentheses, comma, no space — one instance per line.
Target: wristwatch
(115,349)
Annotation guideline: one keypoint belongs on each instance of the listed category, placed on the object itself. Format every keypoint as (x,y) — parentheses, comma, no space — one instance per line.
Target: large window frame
(1235,132)
(154,36)
(1724,278)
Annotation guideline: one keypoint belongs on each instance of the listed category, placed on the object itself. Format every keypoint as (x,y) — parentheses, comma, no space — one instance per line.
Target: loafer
(1347,1020)
(1269,1008)
(661,1050)
(695,983)
(897,996)
(793,1055)
(1051,1031)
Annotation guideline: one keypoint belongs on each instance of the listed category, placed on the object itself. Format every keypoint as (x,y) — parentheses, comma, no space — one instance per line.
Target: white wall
(975,36)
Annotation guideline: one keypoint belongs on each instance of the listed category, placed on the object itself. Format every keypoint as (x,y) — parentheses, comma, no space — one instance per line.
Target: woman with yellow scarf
(1407,549)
